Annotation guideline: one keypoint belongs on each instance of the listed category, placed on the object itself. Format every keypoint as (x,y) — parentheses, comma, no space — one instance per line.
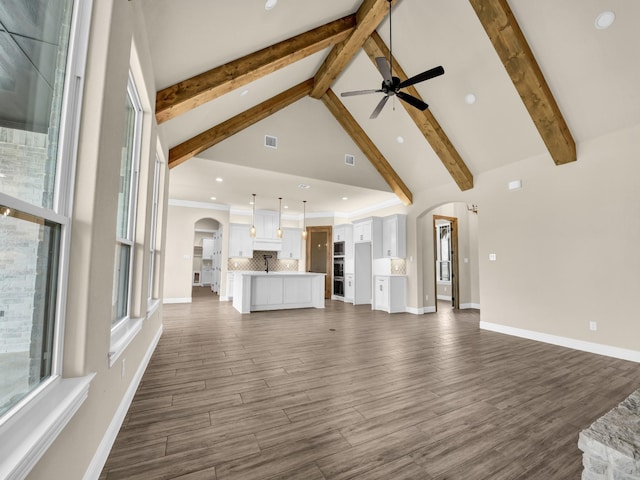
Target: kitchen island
(254,291)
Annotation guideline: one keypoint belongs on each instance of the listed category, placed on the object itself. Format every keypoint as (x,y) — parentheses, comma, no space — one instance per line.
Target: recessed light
(470,98)
(304,186)
(269,4)
(250,203)
(219,180)
(345,198)
(605,20)
(244,92)
(2,175)
(286,206)
(400,139)
(212,198)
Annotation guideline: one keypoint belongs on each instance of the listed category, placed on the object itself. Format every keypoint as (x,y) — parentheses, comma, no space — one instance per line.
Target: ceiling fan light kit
(391,85)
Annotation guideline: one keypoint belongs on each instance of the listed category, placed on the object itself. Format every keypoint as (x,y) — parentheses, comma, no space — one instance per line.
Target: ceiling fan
(391,85)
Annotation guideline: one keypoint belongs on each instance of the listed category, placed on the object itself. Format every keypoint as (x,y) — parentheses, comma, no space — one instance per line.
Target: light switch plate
(492,257)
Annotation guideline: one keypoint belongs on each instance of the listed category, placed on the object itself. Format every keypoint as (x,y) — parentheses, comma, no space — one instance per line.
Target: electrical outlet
(593,326)
(426,297)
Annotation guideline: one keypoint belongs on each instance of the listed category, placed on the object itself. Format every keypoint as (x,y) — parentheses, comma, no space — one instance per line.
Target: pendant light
(304,219)
(252,232)
(279,232)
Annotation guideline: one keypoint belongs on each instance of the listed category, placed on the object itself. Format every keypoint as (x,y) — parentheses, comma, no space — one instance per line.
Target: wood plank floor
(347,393)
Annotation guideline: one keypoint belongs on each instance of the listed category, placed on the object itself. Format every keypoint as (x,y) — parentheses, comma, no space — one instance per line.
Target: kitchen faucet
(266,262)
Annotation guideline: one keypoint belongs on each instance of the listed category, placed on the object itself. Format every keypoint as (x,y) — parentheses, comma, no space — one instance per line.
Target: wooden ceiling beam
(193,92)
(365,144)
(513,49)
(368,17)
(207,139)
(425,121)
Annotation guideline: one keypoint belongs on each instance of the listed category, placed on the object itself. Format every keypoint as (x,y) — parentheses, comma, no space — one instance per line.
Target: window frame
(30,426)
(155,207)
(439,260)
(124,330)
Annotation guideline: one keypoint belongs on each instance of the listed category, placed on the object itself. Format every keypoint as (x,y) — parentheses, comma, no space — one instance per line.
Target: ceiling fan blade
(358,92)
(379,107)
(383,67)
(413,101)
(421,77)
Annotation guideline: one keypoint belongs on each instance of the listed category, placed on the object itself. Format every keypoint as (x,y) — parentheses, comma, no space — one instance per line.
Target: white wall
(556,251)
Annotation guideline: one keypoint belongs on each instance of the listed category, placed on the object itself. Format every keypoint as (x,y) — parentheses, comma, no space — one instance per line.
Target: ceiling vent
(349,160)
(270,141)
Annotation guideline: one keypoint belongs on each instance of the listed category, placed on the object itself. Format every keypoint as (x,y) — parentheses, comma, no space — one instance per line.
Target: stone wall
(23,155)
(611,445)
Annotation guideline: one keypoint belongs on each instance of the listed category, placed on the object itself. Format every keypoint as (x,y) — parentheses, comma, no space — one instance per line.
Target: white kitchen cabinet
(390,293)
(207,248)
(230,279)
(348,287)
(343,233)
(291,244)
(207,276)
(266,224)
(394,236)
(369,230)
(240,242)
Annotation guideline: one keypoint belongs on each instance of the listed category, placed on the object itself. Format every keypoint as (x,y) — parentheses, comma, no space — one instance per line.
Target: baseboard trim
(470,305)
(224,298)
(177,300)
(597,348)
(101,455)
(445,297)
(420,310)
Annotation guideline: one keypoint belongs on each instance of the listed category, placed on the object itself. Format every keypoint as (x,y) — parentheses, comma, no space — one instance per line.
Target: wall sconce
(252,232)
(473,208)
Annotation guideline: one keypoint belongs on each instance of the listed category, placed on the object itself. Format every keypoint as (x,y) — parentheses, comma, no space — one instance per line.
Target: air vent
(271,142)
(349,160)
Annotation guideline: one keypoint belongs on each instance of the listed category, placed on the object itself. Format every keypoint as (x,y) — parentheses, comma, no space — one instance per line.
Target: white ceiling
(593,74)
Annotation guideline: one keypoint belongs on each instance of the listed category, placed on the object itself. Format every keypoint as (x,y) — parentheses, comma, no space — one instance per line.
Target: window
(154,226)
(443,260)
(35,193)
(125,231)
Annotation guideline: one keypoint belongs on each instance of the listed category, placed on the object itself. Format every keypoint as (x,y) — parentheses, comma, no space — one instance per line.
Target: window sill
(30,432)
(122,335)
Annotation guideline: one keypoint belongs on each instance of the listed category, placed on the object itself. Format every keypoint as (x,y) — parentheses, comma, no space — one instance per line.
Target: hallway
(347,392)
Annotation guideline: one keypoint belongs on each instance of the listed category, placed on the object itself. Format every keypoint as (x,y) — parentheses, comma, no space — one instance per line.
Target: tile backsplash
(257,263)
(398,266)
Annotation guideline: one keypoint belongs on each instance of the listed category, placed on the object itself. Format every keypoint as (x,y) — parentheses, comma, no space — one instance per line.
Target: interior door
(319,256)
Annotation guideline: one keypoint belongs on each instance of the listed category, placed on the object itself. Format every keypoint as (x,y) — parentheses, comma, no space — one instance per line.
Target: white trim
(464,306)
(177,300)
(444,297)
(121,336)
(29,433)
(224,298)
(597,348)
(102,453)
(420,310)
(174,202)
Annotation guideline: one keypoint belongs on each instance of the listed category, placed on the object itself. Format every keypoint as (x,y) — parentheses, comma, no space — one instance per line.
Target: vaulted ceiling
(229,73)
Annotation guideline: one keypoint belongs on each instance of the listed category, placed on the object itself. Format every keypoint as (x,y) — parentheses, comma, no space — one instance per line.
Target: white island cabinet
(254,291)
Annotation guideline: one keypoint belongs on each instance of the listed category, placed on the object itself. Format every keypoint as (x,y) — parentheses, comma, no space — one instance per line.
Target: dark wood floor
(347,393)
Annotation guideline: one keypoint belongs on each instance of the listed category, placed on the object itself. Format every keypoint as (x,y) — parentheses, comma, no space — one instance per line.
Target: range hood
(267,244)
